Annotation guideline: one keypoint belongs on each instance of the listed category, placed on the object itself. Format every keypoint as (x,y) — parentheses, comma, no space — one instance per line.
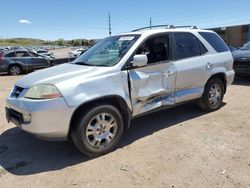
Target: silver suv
(93,99)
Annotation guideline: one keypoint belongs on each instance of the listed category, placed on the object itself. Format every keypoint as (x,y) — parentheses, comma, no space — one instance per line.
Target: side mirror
(139,60)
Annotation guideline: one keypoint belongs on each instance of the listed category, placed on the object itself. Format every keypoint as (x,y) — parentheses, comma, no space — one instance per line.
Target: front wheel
(98,131)
(212,97)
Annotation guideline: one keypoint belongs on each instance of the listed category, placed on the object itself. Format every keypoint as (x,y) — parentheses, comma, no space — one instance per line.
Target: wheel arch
(114,100)
(15,64)
(221,76)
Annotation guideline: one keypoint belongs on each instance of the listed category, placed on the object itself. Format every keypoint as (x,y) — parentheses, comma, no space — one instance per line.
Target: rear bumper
(3,68)
(47,119)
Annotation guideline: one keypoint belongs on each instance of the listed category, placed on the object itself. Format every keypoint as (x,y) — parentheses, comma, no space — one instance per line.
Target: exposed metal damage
(150,90)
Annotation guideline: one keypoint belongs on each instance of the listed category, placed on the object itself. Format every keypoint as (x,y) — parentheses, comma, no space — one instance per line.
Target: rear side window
(215,41)
(187,45)
(22,54)
(9,54)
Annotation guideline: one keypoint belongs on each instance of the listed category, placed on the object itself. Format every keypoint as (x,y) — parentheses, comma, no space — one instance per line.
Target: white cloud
(24,22)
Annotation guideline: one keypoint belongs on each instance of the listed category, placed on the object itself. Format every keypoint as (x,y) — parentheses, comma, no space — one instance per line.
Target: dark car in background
(242,60)
(20,61)
(232,48)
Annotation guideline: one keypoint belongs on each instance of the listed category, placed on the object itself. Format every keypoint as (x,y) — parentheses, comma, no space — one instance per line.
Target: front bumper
(242,67)
(49,119)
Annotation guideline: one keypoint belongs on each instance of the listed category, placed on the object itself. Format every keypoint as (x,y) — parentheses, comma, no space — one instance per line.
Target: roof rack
(187,26)
(166,27)
(154,26)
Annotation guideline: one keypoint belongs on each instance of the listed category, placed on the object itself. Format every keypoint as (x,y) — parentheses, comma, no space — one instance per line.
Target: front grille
(16,91)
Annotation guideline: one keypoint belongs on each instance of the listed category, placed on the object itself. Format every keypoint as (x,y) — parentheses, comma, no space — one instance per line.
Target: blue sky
(70,19)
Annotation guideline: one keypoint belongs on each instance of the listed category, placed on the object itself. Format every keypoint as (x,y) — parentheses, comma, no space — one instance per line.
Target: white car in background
(76,52)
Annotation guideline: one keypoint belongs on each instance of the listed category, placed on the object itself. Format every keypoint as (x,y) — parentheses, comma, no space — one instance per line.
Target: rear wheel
(213,95)
(14,70)
(98,131)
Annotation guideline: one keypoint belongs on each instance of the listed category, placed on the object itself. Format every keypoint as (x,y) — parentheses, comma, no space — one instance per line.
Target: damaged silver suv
(93,99)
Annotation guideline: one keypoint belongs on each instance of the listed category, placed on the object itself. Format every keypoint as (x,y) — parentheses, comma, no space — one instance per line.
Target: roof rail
(154,26)
(166,27)
(187,26)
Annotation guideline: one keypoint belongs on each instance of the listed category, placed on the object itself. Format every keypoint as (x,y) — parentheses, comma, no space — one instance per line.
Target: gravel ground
(180,147)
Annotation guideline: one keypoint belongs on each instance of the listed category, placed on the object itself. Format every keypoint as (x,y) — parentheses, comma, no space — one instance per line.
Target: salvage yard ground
(180,147)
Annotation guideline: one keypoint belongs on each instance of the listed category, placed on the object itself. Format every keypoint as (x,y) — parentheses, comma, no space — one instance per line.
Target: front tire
(213,95)
(98,131)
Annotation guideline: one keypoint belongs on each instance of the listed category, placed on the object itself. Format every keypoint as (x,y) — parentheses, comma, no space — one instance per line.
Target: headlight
(43,92)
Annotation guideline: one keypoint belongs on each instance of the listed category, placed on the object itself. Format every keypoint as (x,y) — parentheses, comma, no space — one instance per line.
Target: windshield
(246,46)
(108,51)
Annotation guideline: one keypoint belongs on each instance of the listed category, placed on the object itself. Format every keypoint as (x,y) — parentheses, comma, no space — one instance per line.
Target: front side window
(33,54)
(156,49)
(108,51)
(187,45)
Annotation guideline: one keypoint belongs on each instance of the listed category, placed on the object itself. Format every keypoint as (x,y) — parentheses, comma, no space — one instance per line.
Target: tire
(212,97)
(14,70)
(98,131)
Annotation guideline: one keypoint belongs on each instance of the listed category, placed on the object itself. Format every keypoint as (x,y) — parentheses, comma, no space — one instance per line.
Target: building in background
(234,35)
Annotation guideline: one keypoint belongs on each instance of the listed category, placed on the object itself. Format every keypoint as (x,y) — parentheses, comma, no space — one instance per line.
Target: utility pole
(109,25)
(150,23)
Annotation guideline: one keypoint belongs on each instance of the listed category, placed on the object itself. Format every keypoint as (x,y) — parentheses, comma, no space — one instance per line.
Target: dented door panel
(152,86)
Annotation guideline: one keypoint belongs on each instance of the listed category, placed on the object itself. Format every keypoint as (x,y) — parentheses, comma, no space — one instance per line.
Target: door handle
(209,65)
(169,73)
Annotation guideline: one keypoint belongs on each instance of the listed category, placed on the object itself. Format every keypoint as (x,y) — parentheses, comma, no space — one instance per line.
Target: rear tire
(14,70)
(98,131)
(213,95)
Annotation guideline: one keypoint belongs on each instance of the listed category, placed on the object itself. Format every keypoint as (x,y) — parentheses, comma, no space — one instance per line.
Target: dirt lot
(61,53)
(180,147)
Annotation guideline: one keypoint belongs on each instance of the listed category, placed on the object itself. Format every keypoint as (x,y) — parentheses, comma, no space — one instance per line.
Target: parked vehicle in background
(77,52)
(93,99)
(45,53)
(232,48)
(242,60)
(20,61)
(2,49)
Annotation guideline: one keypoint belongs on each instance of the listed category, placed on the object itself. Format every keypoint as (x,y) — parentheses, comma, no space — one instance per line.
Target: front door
(153,85)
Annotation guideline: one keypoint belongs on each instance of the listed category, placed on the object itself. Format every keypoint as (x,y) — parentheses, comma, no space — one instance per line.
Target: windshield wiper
(81,63)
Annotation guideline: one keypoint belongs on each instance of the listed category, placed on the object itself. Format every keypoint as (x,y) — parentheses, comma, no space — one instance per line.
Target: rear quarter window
(215,41)
(11,54)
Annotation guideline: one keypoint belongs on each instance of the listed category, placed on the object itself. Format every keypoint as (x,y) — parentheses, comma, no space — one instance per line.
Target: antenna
(109,25)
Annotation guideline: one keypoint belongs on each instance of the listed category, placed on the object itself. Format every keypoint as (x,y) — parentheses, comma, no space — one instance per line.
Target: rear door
(152,86)
(191,59)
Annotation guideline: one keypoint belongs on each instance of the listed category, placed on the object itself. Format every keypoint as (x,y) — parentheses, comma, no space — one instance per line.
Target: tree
(60,42)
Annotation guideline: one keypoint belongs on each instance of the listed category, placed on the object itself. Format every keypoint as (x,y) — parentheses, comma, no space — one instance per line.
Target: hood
(60,73)
(241,54)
